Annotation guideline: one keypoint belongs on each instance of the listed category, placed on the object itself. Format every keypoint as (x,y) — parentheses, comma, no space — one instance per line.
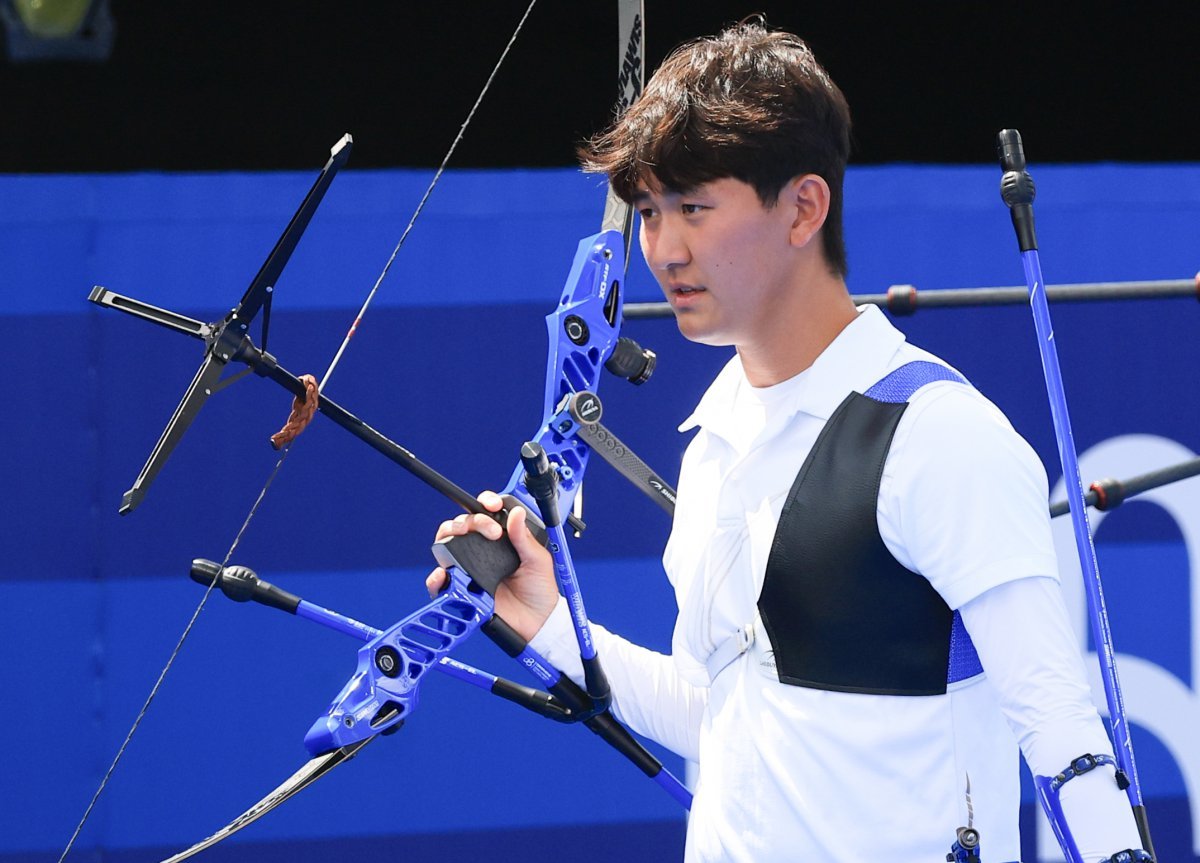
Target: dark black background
(221,85)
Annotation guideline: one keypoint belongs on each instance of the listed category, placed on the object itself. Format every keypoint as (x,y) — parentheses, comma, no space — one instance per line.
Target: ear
(807,198)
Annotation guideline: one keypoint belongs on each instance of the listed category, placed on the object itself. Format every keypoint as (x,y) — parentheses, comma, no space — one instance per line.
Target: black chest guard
(840,611)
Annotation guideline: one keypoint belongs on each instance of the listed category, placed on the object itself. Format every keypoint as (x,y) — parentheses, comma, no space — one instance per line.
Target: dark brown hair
(750,104)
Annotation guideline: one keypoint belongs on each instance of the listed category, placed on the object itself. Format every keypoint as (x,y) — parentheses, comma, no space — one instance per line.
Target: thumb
(523,541)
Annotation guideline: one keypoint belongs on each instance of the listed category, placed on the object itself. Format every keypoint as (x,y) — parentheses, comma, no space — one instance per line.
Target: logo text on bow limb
(630,79)
(604,280)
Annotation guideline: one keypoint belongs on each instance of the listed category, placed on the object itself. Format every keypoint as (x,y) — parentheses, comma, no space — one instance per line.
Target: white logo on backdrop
(1155,699)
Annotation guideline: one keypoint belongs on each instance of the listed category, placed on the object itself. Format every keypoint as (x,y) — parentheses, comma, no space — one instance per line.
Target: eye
(691,209)
(647,213)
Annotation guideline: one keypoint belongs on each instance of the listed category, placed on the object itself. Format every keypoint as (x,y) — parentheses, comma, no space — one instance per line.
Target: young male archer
(869,614)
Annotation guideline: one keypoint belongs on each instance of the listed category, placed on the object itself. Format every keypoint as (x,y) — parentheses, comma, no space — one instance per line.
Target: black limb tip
(1016,187)
(541,479)
(631,361)
(1010,150)
(1139,816)
(240,584)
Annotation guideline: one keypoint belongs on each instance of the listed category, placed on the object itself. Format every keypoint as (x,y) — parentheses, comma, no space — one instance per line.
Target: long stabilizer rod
(1017,190)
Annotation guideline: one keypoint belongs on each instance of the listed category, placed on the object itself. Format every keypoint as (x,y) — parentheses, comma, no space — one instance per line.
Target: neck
(794,336)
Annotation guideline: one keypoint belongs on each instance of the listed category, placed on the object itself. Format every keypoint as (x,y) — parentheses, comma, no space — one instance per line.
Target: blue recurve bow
(584,333)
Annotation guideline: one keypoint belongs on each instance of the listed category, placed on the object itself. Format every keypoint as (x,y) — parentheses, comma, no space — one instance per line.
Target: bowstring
(428,191)
(287,449)
(171,659)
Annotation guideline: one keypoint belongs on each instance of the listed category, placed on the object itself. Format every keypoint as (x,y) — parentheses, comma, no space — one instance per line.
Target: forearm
(648,694)
(1024,639)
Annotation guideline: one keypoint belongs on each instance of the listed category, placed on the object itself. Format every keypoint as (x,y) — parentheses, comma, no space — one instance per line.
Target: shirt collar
(859,356)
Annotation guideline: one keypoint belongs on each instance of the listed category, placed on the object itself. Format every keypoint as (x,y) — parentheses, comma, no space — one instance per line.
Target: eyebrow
(644,194)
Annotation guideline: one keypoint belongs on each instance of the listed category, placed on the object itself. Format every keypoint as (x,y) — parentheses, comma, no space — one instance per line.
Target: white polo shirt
(792,773)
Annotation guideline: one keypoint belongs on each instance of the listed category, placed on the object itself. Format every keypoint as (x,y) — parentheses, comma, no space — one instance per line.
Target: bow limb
(618,215)
(313,770)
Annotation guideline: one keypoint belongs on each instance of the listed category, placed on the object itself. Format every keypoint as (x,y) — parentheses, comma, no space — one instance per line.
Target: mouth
(682,297)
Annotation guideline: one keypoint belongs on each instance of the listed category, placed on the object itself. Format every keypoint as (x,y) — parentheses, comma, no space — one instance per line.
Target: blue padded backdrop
(449,363)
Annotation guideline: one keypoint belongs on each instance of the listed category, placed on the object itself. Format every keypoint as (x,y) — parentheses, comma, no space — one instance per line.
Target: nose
(664,246)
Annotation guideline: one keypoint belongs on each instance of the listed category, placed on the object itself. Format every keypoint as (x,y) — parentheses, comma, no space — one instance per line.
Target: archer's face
(723,260)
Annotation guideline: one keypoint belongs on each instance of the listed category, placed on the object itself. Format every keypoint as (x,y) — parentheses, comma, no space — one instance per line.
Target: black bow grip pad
(487,561)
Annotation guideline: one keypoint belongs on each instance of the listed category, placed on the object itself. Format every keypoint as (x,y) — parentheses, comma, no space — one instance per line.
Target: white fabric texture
(792,773)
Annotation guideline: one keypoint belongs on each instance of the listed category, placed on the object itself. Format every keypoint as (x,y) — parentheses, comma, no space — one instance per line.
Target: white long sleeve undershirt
(1022,634)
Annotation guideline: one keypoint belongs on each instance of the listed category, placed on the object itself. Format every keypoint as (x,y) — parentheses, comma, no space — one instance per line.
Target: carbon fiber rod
(1018,192)
(1106,494)
(905,299)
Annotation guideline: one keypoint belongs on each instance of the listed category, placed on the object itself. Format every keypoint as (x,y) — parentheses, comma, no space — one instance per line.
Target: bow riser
(385,688)
(583,333)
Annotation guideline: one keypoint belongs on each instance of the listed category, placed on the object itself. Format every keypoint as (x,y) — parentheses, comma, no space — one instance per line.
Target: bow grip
(487,561)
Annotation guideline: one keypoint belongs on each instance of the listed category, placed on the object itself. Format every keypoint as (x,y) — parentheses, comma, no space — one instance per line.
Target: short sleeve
(963,498)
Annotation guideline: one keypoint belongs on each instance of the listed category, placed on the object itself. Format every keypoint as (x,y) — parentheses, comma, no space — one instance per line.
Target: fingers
(436,582)
(491,501)
(468,523)
(523,541)
(518,529)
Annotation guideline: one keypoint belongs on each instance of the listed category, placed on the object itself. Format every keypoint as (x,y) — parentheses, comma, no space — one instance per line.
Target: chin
(694,332)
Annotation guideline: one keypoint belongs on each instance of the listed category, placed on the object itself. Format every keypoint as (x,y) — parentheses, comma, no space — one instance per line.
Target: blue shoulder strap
(898,386)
